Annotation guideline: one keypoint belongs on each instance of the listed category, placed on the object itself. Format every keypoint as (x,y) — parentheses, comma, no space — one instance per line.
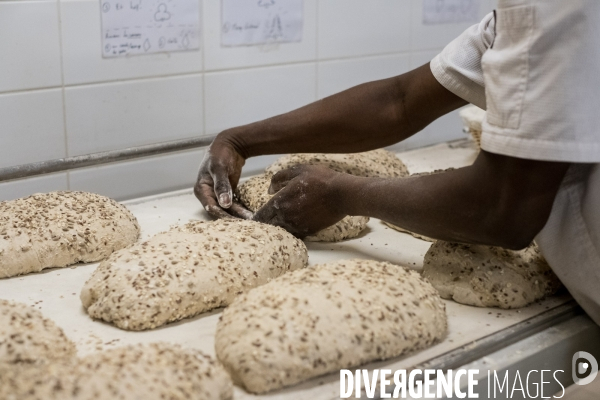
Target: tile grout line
(62,81)
(184,74)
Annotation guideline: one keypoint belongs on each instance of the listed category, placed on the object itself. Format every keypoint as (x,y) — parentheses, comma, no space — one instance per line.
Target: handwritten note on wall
(131,27)
(450,11)
(252,22)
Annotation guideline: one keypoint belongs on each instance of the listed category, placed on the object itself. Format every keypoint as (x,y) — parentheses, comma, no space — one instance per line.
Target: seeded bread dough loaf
(189,270)
(318,320)
(141,372)
(57,229)
(374,163)
(27,337)
(254,193)
(486,276)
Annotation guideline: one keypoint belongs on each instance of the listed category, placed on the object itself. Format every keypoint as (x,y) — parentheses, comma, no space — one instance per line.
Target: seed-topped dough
(141,372)
(57,229)
(486,276)
(369,164)
(318,320)
(254,193)
(27,337)
(189,270)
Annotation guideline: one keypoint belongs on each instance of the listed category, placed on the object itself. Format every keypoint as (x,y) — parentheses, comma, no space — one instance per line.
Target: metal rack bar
(88,160)
(491,343)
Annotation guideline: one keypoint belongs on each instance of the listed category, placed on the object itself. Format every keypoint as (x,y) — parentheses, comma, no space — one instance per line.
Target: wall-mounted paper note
(131,27)
(252,22)
(450,11)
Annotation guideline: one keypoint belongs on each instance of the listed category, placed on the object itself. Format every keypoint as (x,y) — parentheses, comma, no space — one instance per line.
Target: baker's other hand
(219,174)
(306,200)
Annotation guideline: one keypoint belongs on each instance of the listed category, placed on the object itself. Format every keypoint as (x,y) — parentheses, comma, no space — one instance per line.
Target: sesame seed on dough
(26,337)
(57,229)
(487,276)
(369,164)
(188,270)
(154,371)
(319,320)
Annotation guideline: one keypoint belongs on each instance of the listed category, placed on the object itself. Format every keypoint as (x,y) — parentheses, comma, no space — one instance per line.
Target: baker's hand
(218,177)
(306,200)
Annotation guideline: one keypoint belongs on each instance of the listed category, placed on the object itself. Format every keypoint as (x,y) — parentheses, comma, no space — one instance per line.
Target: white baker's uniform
(535,67)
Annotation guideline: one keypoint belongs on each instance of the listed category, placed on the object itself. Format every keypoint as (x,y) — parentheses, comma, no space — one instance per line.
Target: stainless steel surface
(503,338)
(550,350)
(472,331)
(88,160)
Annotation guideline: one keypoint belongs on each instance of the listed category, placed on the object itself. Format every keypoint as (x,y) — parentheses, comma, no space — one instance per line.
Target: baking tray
(55,292)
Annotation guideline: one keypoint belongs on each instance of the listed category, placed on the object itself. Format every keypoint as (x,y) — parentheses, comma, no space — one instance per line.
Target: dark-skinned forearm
(365,117)
(500,201)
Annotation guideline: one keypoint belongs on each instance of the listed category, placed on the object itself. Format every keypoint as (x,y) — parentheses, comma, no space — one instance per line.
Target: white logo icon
(582,363)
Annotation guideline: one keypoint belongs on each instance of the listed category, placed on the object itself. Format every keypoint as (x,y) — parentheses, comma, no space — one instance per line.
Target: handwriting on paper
(253,22)
(450,11)
(131,27)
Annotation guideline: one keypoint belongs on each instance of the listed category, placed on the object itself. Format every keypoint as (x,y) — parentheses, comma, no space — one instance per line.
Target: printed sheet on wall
(133,27)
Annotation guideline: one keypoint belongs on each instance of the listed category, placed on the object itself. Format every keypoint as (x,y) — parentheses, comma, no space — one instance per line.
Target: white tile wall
(82,57)
(219,58)
(141,177)
(418,58)
(243,96)
(424,37)
(50,55)
(132,113)
(31,126)
(46,183)
(350,28)
(443,129)
(338,75)
(29,45)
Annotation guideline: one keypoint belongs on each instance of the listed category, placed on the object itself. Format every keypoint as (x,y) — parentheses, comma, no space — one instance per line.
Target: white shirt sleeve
(532,66)
(458,66)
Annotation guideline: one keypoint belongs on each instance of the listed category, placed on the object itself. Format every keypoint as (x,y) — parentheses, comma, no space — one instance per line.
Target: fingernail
(224,199)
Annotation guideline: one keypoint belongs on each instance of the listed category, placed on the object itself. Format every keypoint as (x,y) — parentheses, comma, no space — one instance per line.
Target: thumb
(222,187)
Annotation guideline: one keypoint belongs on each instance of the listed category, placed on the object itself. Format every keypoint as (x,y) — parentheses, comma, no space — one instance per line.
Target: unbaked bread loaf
(57,229)
(142,372)
(369,164)
(254,193)
(27,337)
(318,320)
(486,276)
(188,270)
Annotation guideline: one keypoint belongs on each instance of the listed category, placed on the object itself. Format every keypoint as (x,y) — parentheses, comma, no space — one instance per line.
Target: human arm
(499,200)
(365,117)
